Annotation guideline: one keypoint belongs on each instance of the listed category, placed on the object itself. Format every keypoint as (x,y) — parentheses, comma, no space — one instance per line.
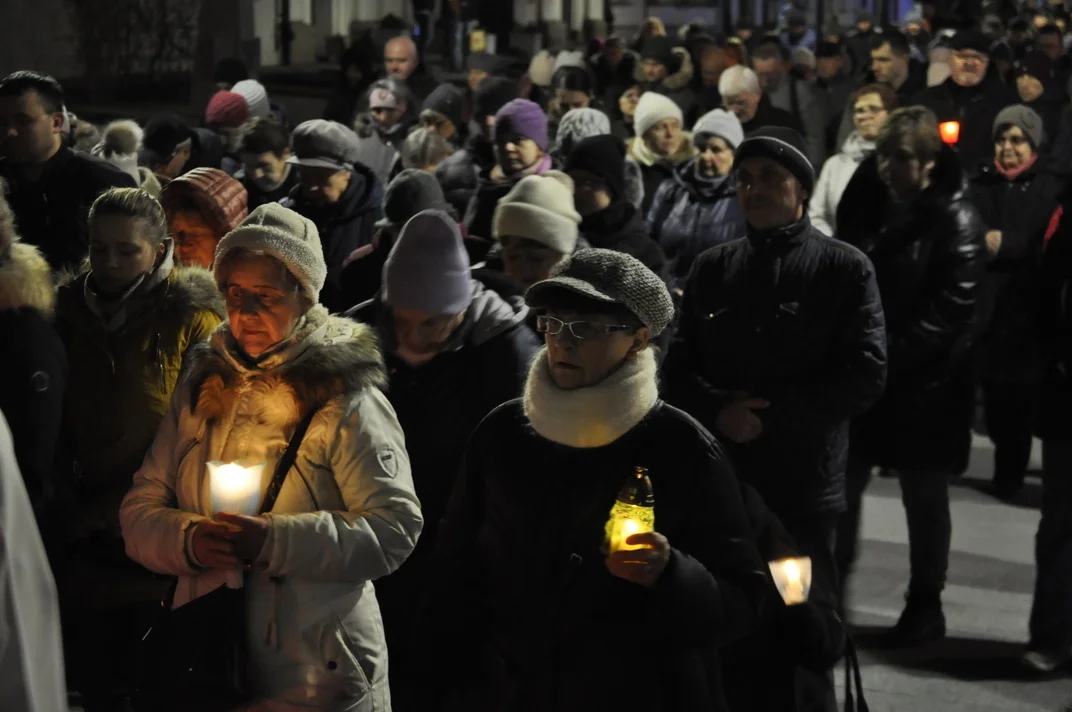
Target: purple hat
(428,267)
(524,118)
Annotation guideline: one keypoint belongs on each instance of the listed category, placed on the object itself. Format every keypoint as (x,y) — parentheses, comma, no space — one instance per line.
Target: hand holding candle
(793,579)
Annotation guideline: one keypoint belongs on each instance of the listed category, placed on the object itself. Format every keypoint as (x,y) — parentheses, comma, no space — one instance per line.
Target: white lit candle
(235,488)
(793,579)
(623,529)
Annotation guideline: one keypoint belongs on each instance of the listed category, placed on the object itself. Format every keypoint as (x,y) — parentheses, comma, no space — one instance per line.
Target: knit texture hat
(492,94)
(448,100)
(1036,64)
(579,124)
(542,68)
(653,108)
(285,235)
(783,146)
(723,124)
(412,191)
(222,200)
(319,143)
(428,268)
(256,96)
(659,48)
(524,118)
(119,145)
(603,156)
(612,277)
(226,108)
(1023,117)
(539,208)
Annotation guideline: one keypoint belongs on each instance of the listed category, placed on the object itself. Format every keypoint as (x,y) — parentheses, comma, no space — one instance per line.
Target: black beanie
(660,49)
(162,135)
(448,100)
(783,146)
(603,156)
(492,94)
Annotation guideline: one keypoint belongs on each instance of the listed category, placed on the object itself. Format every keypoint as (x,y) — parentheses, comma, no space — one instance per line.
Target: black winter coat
(1009,303)
(930,259)
(767,114)
(52,213)
(975,108)
(792,316)
(257,196)
(344,226)
(526,598)
(1054,415)
(621,227)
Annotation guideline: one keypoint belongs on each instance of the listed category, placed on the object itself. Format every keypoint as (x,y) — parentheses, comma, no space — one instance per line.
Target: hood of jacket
(857,147)
(360,197)
(26,280)
(671,82)
(703,189)
(324,358)
(488,316)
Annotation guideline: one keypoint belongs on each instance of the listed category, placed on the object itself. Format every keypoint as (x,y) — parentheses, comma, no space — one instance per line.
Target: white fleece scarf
(594,416)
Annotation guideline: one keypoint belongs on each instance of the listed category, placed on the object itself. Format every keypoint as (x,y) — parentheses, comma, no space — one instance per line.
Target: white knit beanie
(723,124)
(542,68)
(653,108)
(256,97)
(540,208)
(568,58)
(285,235)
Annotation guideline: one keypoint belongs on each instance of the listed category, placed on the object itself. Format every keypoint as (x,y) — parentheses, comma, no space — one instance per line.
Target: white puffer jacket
(347,513)
(835,176)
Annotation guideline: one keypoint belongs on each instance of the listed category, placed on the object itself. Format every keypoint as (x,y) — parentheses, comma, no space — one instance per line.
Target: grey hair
(738,80)
(424,148)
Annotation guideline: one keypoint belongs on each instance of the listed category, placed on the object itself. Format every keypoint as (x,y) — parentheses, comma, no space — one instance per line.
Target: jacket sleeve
(660,209)
(154,528)
(818,204)
(854,374)
(382,520)
(948,310)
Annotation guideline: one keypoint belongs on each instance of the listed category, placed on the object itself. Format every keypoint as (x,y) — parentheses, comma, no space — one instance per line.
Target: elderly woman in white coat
(346,513)
(870,106)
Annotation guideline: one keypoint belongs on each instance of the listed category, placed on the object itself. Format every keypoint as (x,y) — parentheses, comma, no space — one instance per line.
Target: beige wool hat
(540,208)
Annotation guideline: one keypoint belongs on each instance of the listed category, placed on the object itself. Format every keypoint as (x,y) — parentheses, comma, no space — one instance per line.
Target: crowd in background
(764,265)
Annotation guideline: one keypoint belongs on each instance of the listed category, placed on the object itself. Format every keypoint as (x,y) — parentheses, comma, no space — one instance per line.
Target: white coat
(347,513)
(835,176)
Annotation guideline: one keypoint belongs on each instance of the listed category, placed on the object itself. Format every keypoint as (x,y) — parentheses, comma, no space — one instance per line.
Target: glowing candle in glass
(633,513)
(793,579)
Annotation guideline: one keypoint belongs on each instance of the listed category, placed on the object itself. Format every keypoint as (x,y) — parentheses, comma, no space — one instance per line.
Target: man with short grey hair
(771,62)
(742,95)
(402,62)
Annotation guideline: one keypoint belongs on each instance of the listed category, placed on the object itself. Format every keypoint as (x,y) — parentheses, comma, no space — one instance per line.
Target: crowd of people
(445,325)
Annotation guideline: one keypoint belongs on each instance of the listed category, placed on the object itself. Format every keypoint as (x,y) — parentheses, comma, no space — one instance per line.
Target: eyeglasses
(1015,141)
(581,330)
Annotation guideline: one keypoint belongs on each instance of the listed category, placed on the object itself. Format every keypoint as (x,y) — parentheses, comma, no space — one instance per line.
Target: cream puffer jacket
(347,512)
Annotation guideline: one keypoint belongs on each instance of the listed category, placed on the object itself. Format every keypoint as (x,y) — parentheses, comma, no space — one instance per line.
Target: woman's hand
(211,546)
(246,534)
(641,566)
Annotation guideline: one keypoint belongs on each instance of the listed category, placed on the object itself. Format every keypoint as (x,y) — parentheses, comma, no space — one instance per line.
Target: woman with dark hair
(571,88)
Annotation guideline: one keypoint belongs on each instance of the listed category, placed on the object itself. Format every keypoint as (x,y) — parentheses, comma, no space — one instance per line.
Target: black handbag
(194,657)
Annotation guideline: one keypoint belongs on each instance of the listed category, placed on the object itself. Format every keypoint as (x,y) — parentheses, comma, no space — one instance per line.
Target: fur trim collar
(643,155)
(26,280)
(326,357)
(671,82)
(594,416)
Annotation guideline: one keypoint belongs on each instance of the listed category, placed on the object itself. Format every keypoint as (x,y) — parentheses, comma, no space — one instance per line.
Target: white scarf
(594,416)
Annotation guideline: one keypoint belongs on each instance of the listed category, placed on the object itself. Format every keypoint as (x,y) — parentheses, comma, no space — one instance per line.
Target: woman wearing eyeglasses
(545,615)
(870,106)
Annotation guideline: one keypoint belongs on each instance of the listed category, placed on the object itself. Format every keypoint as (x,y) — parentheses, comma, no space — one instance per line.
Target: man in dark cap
(1041,90)
(972,96)
(780,343)
(858,43)
(668,71)
(798,34)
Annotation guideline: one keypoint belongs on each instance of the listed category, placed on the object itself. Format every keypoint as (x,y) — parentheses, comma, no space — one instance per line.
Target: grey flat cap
(324,144)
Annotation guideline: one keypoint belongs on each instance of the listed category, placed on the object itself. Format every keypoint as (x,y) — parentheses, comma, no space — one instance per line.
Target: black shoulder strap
(286,462)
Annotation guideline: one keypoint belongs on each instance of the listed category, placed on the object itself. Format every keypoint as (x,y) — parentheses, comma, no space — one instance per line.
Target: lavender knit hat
(428,268)
(524,118)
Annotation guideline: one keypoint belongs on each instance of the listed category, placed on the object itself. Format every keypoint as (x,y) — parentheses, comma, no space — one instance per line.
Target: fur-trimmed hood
(680,79)
(26,280)
(327,357)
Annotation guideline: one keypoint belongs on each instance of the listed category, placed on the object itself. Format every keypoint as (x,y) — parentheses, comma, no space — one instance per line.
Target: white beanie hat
(653,108)
(542,68)
(723,124)
(285,235)
(539,208)
(256,97)
(567,58)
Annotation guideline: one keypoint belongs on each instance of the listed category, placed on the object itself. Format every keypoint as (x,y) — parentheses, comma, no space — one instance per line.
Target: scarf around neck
(1014,173)
(594,416)
(115,311)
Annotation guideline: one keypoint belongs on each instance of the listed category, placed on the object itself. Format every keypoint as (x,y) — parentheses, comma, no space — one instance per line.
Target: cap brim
(318,163)
(537,294)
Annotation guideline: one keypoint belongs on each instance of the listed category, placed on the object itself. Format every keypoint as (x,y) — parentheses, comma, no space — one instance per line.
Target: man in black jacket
(908,208)
(51,188)
(742,95)
(780,343)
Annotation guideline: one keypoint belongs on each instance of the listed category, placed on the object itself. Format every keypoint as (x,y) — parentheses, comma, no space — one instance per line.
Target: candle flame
(950,131)
(792,571)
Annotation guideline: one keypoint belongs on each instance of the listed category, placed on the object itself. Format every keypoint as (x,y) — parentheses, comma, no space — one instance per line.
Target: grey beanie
(577,124)
(539,208)
(1023,117)
(723,124)
(612,277)
(285,235)
(428,268)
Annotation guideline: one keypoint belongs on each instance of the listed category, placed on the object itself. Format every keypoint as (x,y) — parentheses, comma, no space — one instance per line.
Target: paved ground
(986,604)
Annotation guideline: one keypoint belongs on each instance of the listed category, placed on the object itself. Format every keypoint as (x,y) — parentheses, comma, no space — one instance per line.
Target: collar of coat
(26,280)
(594,416)
(326,357)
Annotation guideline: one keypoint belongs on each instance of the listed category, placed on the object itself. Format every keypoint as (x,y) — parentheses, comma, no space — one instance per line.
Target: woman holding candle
(346,513)
(531,595)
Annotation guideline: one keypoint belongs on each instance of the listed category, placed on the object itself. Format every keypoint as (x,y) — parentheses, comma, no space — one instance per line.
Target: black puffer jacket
(930,259)
(344,226)
(525,596)
(975,108)
(792,316)
(1008,312)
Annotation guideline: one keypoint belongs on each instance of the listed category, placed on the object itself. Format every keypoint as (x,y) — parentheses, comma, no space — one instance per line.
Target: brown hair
(133,203)
(884,91)
(915,126)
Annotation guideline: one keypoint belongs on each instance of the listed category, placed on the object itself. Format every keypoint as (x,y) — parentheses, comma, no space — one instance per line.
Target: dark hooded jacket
(459,173)
(975,108)
(793,316)
(676,86)
(767,114)
(344,226)
(930,261)
(690,214)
